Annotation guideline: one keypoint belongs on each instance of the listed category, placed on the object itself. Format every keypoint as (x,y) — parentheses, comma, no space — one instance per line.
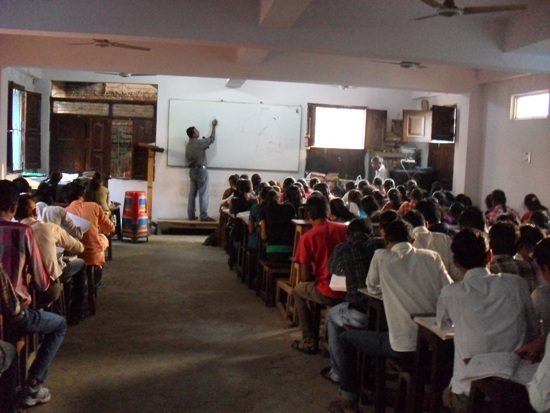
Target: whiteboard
(248,136)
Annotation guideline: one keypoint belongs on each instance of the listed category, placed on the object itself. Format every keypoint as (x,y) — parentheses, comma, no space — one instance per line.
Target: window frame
(514,105)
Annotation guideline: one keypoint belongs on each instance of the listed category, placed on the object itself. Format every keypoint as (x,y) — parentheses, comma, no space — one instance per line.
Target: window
(337,127)
(530,106)
(16,152)
(23,129)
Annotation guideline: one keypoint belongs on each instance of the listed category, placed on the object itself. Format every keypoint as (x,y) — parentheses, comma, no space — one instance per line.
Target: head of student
(317,207)
(472,217)
(470,248)
(502,238)
(73,191)
(26,207)
(397,231)
(9,196)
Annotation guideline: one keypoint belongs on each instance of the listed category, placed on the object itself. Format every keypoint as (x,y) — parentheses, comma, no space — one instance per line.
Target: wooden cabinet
(417,126)
(376,128)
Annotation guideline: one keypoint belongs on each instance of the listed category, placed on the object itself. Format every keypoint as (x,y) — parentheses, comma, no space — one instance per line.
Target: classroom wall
(506,140)
(483,121)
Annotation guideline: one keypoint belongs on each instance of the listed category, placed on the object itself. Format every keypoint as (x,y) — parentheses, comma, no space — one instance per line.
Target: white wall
(506,140)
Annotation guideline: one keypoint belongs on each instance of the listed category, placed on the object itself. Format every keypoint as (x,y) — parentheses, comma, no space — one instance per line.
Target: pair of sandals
(306,346)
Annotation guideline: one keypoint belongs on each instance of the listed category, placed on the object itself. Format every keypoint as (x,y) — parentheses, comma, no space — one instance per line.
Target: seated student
(541,220)
(354,203)
(339,212)
(23,186)
(429,209)
(334,188)
(499,207)
(313,253)
(256,180)
(49,236)
(472,217)
(307,189)
(455,210)
(94,245)
(370,207)
(502,239)
(352,259)
(55,214)
(394,200)
(539,387)
(323,189)
(533,204)
(98,193)
(529,236)
(52,192)
(20,256)
(410,281)
(293,196)
(415,196)
(489,312)
(241,202)
(434,241)
(276,228)
(229,192)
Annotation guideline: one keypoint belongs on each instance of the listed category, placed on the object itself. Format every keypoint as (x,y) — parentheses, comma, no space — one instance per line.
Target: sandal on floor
(305,346)
(326,373)
(337,407)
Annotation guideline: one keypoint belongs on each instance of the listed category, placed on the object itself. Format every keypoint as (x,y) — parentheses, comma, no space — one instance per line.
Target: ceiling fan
(107,43)
(449,9)
(125,74)
(404,64)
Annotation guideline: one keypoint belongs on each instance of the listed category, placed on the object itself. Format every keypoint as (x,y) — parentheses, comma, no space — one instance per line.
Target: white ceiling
(317,41)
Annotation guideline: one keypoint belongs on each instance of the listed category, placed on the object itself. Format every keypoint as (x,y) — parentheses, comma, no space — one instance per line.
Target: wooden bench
(165,223)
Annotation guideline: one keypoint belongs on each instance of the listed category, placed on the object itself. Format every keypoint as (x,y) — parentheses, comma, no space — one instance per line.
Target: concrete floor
(176,331)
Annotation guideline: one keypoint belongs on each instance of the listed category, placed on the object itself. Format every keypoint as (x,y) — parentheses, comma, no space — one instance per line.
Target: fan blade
(493,9)
(129,46)
(426,17)
(432,3)
(81,44)
(385,61)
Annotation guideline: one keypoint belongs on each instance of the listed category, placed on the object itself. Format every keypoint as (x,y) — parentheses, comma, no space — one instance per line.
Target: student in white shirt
(489,312)
(410,281)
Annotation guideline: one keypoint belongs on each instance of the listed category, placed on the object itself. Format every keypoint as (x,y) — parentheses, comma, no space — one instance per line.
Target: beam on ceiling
(281,13)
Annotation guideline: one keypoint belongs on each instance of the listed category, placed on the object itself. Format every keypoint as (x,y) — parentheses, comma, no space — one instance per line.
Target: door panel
(32,133)
(68,143)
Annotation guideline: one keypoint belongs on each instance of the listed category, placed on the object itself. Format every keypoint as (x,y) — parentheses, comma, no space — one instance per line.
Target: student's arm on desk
(442,318)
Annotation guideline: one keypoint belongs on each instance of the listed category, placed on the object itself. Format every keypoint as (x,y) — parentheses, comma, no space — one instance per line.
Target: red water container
(135,220)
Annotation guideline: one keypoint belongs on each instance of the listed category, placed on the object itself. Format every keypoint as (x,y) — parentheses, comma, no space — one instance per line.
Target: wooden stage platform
(165,223)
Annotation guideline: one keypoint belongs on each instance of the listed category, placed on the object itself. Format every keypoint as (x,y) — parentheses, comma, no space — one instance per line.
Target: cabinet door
(417,126)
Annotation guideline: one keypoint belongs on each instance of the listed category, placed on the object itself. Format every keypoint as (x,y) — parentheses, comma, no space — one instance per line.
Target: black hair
(9,195)
(305,186)
(394,196)
(293,195)
(529,235)
(72,191)
(288,181)
(190,131)
(388,184)
(470,247)
(317,206)
(472,218)
(532,203)
(233,179)
(339,210)
(256,179)
(359,226)
(386,217)
(313,182)
(464,200)
(498,197)
(415,218)
(369,205)
(542,252)
(244,186)
(398,231)
(95,184)
(350,185)
(456,209)
(430,211)
(25,206)
(377,182)
(502,238)
(23,186)
(322,188)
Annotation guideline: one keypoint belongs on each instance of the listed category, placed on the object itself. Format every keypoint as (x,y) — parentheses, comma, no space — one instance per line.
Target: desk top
(430,324)
(366,292)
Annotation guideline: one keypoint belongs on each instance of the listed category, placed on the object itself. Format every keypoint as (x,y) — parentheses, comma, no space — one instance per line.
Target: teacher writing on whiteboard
(195,153)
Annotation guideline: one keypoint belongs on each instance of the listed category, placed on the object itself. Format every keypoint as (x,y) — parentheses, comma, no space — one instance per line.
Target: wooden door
(32,130)
(98,144)
(441,159)
(68,143)
(143,132)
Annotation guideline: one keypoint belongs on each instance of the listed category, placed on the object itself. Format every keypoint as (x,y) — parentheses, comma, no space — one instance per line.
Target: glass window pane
(531,106)
(17,130)
(81,108)
(133,111)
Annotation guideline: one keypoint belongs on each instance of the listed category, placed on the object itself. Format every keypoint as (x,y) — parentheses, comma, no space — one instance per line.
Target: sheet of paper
(338,283)
(506,365)
(84,224)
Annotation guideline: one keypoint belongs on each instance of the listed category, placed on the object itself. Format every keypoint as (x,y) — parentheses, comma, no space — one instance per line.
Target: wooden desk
(441,344)
(301,227)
